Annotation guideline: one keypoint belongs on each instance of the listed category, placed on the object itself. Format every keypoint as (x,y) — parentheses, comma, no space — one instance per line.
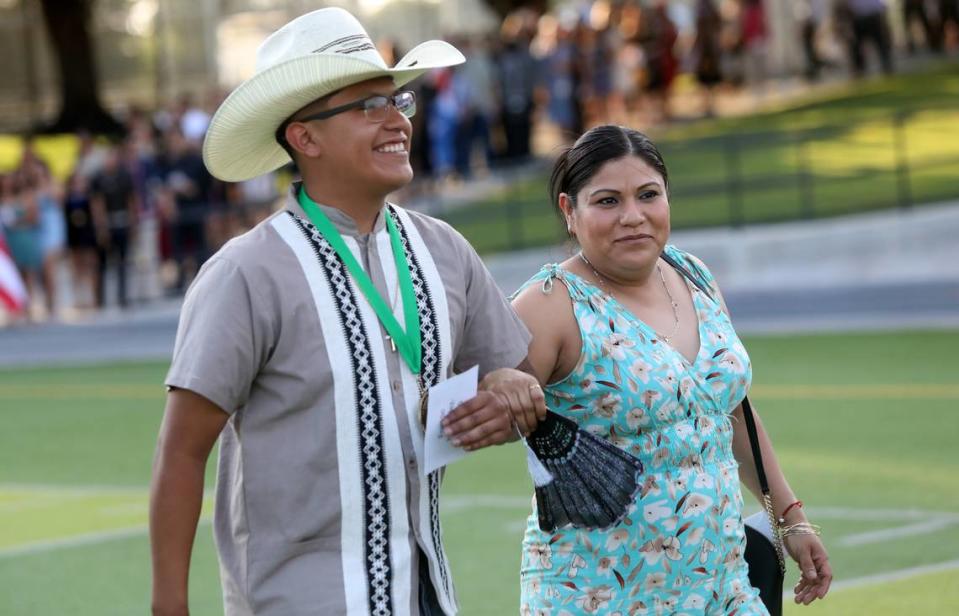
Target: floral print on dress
(679,549)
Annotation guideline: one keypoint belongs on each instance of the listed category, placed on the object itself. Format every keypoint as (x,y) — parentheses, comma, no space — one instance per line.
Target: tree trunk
(505,7)
(68,24)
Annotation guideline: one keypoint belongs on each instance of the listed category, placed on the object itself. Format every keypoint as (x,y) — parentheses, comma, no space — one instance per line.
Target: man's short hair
(280,134)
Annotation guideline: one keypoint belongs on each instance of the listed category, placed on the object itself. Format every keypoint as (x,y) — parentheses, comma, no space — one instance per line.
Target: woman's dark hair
(597,146)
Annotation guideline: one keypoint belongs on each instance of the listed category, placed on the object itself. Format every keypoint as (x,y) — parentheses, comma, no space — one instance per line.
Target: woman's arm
(519,389)
(549,317)
(807,550)
(555,346)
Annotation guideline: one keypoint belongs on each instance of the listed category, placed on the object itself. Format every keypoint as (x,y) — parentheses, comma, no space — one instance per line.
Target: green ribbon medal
(408,341)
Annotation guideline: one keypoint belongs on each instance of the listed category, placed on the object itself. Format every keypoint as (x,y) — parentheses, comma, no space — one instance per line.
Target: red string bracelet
(798,503)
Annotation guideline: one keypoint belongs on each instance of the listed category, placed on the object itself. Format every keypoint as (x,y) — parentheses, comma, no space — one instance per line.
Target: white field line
(925,522)
(866,515)
(458,504)
(890,534)
(72,491)
(85,539)
(36,547)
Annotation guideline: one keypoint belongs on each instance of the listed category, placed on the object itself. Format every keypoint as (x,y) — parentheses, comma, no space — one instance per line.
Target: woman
(631,351)
(707,53)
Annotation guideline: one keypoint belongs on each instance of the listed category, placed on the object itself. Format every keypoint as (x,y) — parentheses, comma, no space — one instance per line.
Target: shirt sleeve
(494,335)
(222,337)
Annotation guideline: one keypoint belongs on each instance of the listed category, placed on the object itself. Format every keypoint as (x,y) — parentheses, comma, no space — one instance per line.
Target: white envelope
(443,398)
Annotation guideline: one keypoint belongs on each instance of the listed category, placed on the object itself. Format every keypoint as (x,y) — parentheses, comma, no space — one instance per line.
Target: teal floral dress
(679,550)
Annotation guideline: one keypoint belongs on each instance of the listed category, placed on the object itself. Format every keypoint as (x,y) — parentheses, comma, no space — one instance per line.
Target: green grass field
(866,426)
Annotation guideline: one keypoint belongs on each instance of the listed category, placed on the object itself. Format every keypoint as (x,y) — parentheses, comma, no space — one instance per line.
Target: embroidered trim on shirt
(431,361)
(370,424)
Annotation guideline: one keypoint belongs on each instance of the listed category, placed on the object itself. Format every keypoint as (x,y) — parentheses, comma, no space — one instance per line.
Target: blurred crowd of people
(618,61)
(147,202)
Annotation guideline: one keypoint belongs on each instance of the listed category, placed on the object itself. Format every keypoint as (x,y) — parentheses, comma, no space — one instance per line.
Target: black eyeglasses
(375,107)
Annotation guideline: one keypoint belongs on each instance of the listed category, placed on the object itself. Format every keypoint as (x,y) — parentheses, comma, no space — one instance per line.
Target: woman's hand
(810,554)
(522,394)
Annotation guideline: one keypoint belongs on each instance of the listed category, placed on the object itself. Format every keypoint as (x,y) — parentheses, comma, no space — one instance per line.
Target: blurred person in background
(188,183)
(598,49)
(630,62)
(81,241)
(518,76)
(948,26)
(90,155)
(115,210)
(474,84)
(561,81)
(755,42)
(810,15)
(193,120)
(707,52)
(20,216)
(251,201)
(625,345)
(865,22)
(444,117)
(421,157)
(35,176)
(732,62)
(659,36)
(915,14)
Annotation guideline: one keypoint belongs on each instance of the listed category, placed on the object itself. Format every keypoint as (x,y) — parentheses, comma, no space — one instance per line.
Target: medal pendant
(424,404)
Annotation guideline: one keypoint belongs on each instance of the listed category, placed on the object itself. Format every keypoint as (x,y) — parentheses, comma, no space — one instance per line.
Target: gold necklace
(662,278)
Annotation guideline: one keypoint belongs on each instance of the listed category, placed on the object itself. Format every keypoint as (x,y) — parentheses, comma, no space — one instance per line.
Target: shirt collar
(343,222)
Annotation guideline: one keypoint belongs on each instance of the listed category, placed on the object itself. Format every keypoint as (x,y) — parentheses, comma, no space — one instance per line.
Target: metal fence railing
(827,167)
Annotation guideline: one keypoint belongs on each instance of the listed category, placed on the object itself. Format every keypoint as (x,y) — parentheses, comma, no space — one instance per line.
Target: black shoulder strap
(747,406)
(682,269)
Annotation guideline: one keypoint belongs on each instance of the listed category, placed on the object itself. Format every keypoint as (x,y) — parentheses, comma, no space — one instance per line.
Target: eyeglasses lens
(377,107)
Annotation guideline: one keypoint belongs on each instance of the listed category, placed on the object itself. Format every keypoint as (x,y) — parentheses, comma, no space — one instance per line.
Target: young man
(310,342)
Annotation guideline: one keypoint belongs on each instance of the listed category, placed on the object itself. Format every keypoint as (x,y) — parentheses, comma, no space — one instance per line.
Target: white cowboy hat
(312,56)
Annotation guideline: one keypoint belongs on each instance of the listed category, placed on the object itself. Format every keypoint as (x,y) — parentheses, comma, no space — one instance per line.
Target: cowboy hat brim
(240,143)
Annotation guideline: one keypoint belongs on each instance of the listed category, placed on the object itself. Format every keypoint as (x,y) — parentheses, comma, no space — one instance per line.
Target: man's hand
(523,393)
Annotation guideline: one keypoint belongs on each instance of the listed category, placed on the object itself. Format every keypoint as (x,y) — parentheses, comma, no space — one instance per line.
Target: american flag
(13,295)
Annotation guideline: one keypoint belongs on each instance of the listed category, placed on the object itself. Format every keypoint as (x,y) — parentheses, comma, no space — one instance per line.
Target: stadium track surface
(147,332)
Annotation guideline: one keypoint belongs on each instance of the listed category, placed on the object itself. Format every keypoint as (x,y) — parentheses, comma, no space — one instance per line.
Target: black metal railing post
(903,181)
(514,224)
(734,181)
(807,198)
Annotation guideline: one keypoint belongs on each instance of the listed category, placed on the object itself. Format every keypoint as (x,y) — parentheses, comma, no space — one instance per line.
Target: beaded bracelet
(782,518)
(802,528)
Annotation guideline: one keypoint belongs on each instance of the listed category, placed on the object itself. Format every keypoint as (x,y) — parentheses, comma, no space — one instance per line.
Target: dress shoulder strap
(549,274)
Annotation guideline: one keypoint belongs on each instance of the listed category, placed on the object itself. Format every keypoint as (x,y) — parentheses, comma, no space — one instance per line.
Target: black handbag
(764,545)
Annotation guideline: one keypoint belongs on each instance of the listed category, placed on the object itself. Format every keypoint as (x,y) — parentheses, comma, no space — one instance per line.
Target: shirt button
(396,386)
(411,462)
